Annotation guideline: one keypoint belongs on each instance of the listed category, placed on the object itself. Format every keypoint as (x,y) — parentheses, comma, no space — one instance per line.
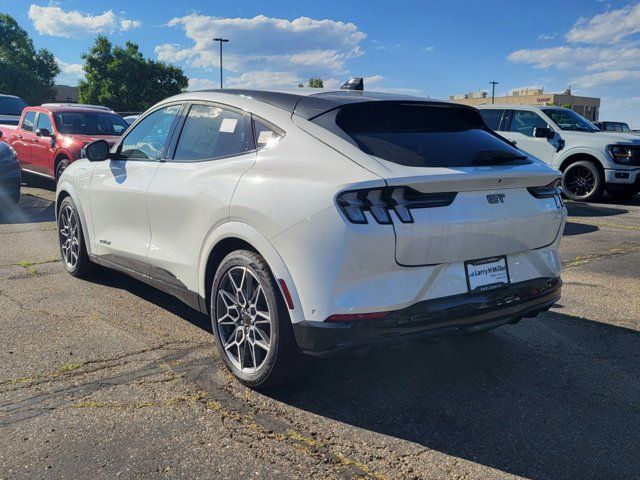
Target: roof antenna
(355,83)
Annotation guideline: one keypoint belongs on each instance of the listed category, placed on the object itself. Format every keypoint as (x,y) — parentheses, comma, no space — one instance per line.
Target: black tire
(622,191)
(582,181)
(234,325)
(69,220)
(61,166)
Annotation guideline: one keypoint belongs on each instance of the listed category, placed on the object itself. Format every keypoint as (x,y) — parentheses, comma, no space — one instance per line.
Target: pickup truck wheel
(62,165)
(582,181)
(622,191)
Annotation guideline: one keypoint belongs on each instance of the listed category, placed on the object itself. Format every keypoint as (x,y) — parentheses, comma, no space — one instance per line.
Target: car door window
(211,132)
(29,119)
(44,122)
(148,138)
(265,134)
(524,122)
(492,118)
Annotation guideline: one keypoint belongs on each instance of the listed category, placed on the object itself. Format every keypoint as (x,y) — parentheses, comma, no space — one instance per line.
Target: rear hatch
(427,150)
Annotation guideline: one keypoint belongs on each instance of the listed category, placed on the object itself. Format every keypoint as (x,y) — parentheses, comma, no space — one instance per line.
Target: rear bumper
(444,316)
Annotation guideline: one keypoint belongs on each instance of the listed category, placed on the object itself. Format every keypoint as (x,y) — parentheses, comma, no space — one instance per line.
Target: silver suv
(591,160)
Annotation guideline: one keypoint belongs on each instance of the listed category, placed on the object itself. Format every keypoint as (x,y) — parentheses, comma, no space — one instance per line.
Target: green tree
(315,82)
(121,78)
(23,70)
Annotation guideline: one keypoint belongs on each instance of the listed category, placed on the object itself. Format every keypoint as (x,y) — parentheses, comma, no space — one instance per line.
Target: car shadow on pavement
(30,209)
(553,397)
(577,209)
(572,228)
(114,279)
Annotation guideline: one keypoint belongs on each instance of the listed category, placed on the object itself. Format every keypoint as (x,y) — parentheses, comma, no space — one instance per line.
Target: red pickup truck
(48,138)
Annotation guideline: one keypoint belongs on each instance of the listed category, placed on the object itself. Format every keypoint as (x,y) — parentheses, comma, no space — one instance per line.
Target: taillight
(546,191)
(381,202)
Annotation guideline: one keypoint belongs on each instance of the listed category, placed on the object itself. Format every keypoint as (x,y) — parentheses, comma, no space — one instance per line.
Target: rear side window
(213,132)
(492,118)
(27,123)
(265,134)
(424,134)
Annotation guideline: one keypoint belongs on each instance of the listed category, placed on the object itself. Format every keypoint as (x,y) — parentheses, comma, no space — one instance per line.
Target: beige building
(588,107)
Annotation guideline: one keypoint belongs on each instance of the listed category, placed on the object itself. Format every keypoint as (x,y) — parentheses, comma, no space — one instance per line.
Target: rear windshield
(90,123)
(424,135)
(11,106)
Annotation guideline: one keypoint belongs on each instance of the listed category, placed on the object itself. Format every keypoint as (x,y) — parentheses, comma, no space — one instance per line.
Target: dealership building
(588,107)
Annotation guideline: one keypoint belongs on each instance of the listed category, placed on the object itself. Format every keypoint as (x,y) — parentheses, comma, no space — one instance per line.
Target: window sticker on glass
(264,137)
(228,125)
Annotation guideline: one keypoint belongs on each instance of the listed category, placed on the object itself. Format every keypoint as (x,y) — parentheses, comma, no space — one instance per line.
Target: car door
(21,140)
(42,146)
(192,189)
(520,130)
(118,191)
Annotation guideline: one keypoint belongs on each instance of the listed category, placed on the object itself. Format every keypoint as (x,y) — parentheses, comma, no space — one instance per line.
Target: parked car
(613,127)
(591,160)
(315,223)
(9,174)
(130,118)
(48,139)
(10,109)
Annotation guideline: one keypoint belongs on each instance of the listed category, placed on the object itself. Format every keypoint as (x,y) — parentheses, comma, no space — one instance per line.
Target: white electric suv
(315,223)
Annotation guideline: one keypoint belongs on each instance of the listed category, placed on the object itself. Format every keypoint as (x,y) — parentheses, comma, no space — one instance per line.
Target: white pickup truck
(591,160)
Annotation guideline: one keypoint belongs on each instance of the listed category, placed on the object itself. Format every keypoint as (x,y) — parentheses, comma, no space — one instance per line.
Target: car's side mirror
(543,132)
(43,132)
(96,151)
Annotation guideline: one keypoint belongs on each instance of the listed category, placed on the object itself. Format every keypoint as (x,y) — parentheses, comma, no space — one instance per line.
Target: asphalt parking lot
(109,377)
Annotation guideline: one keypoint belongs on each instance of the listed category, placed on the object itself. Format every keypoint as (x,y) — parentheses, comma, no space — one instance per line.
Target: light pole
(221,40)
(493,91)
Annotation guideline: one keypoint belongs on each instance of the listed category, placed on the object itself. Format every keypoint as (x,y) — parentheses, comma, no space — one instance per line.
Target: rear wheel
(251,323)
(582,181)
(72,245)
(622,191)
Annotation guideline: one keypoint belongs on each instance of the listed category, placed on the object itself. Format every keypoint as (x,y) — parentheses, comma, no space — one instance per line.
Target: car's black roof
(309,106)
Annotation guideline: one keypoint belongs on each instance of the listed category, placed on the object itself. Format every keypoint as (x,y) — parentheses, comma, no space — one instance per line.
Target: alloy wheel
(69,237)
(243,319)
(580,181)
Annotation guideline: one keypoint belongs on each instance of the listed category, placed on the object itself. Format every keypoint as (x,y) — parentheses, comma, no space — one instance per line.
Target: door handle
(19,136)
(35,140)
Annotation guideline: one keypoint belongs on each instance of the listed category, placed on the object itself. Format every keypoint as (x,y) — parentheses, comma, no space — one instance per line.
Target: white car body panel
(165,218)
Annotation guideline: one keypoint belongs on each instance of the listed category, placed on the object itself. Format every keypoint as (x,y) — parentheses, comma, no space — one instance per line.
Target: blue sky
(425,47)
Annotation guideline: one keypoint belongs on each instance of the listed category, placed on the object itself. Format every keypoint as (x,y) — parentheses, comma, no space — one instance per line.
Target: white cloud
(203,84)
(304,45)
(126,24)
(428,49)
(265,79)
(544,36)
(590,58)
(607,28)
(70,73)
(606,78)
(54,21)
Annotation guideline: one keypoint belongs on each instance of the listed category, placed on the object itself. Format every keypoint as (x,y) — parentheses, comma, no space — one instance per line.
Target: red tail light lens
(381,202)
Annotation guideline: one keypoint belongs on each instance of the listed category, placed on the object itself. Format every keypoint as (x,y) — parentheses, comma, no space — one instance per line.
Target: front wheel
(61,167)
(582,181)
(251,323)
(72,241)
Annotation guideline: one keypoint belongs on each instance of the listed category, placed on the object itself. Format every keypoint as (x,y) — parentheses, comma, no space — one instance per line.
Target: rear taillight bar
(546,191)
(380,202)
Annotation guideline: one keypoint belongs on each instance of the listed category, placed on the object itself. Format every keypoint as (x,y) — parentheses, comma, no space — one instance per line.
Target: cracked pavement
(111,378)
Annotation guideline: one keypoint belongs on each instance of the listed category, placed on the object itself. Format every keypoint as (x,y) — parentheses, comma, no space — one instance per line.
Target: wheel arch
(60,155)
(233,236)
(578,156)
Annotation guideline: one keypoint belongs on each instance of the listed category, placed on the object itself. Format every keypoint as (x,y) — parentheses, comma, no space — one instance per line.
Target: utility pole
(493,91)
(221,40)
